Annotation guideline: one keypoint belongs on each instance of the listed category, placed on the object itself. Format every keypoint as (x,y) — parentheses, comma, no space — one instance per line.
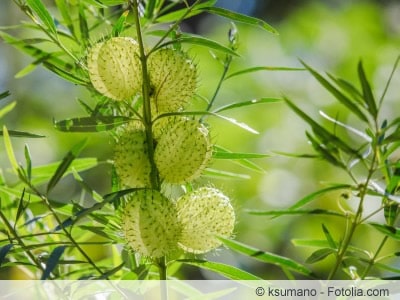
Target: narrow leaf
(257,69)
(213,173)
(6,109)
(64,165)
(329,237)
(367,92)
(234,16)
(4,251)
(91,124)
(337,94)
(43,14)
(387,230)
(119,26)
(10,151)
(64,10)
(267,257)
(277,213)
(52,262)
(23,134)
(83,25)
(247,103)
(236,155)
(4,95)
(28,161)
(184,13)
(314,195)
(227,271)
(319,255)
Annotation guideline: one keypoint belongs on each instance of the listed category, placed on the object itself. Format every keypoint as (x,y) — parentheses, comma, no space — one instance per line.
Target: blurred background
(329,35)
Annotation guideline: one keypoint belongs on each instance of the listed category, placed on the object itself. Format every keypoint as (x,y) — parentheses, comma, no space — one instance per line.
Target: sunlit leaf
(6,109)
(214,173)
(52,262)
(43,14)
(65,11)
(9,150)
(329,237)
(264,68)
(266,257)
(227,271)
(119,26)
(91,124)
(247,103)
(234,16)
(65,164)
(337,94)
(277,213)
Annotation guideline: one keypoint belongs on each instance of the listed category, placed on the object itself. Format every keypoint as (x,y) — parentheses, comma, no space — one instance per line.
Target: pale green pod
(149,223)
(173,79)
(115,69)
(131,159)
(182,152)
(204,215)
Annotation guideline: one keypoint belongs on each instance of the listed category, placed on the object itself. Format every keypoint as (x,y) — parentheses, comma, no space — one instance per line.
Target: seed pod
(204,214)
(114,68)
(183,152)
(149,223)
(131,159)
(173,79)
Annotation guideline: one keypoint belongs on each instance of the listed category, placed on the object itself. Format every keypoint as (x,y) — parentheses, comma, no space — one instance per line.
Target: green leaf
(234,16)
(387,230)
(23,134)
(91,124)
(218,174)
(247,103)
(65,164)
(281,261)
(4,251)
(200,41)
(319,255)
(83,25)
(337,94)
(119,26)
(64,10)
(4,95)
(223,154)
(348,87)
(314,195)
(277,213)
(391,211)
(28,69)
(329,237)
(222,269)
(52,262)
(6,109)
(257,69)
(28,161)
(10,151)
(22,206)
(43,14)
(367,92)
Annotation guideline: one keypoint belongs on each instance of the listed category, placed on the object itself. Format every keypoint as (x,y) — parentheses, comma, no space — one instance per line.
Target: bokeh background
(328,35)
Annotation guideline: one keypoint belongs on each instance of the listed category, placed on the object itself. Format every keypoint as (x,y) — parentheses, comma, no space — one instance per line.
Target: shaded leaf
(4,251)
(387,230)
(367,92)
(83,25)
(234,16)
(43,14)
(65,164)
(28,161)
(247,103)
(15,133)
(319,255)
(4,95)
(52,262)
(227,271)
(329,237)
(91,124)
(267,257)
(64,10)
(264,68)
(337,94)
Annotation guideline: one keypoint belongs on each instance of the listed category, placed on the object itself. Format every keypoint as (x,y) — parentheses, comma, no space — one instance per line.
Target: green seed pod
(173,78)
(149,223)
(114,68)
(204,214)
(183,152)
(131,159)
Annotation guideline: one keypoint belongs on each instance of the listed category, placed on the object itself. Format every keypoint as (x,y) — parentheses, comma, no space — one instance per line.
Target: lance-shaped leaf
(53,261)
(4,251)
(65,163)
(4,95)
(38,7)
(119,26)
(184,13)
(387,230)
(367,92)
(351,105)
(267,257)
(23,134)
(277,213)
(222,269)
(9,107)
(247,103)
(91,124)
(262,68)
(319,255)
(234,16)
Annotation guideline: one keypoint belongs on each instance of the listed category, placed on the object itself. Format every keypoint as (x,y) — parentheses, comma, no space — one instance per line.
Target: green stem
(373,259)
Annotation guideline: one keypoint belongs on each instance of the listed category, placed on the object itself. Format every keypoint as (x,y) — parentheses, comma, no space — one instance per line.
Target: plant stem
(373,259)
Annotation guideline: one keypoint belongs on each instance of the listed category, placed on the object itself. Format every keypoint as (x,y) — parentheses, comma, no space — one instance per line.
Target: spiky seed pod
(131,158)
(204,214)
(173,78)
(183,152)
(149,223)
(114,68)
